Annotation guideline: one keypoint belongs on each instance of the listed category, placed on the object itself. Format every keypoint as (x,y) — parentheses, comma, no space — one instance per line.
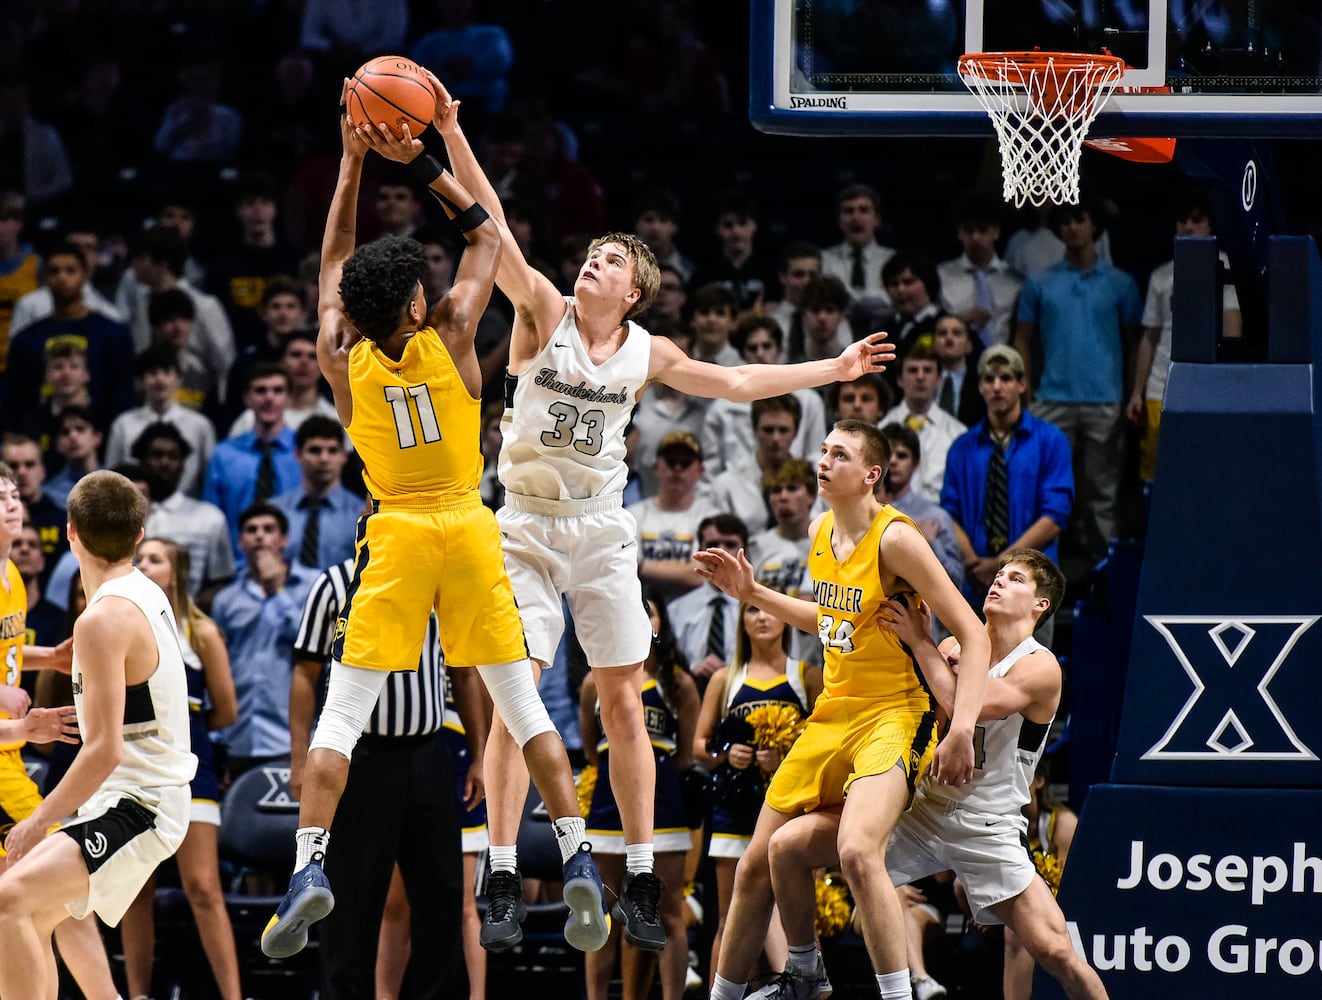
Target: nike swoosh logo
(558,344)
(820,551)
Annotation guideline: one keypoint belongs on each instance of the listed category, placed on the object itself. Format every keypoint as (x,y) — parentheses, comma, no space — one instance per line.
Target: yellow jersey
(863,660)
(13,630)
(415,425)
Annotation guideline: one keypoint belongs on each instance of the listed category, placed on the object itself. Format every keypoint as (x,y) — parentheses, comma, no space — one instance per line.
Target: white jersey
(1005,755)
(156,729)
(564,427)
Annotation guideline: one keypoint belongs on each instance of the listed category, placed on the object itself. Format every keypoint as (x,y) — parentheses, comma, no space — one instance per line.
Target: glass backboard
(887,67)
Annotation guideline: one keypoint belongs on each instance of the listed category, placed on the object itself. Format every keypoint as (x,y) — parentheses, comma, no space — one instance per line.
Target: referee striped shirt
(412,702)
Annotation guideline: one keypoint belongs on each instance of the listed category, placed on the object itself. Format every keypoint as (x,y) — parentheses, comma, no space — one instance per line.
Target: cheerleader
(166,564)
(670,711)
(762,676)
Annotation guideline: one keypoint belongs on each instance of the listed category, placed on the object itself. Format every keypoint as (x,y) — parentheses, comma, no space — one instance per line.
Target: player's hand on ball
(446,119)
(380,138)
(350,135)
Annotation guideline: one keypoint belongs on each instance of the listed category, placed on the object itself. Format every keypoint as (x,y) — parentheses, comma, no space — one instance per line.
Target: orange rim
(1037,60)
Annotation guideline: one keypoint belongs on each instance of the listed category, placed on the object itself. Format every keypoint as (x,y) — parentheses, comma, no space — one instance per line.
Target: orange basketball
(394,90)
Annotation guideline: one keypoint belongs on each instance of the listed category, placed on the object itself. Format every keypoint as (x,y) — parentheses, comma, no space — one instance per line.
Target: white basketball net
(1041,105)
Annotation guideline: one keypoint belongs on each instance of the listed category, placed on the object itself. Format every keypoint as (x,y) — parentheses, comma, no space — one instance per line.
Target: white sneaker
(692,981)
(927,988)
(788,986)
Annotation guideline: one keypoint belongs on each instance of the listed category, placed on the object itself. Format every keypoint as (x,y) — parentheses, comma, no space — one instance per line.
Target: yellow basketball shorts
(413,557)
(837,749)
(19,797)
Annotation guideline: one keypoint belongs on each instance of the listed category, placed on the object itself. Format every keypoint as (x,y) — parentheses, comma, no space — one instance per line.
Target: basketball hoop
(1041,104)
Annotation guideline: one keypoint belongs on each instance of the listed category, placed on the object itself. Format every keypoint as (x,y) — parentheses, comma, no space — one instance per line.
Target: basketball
(394,90)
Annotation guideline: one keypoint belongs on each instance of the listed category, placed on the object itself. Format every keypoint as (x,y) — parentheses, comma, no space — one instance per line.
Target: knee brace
(350,697)
(516,699)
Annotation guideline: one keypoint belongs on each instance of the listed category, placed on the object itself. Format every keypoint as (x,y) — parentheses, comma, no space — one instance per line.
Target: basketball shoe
(789,986)
(637,908)
(501,928)
(589,925)
(927,988)
(306,901)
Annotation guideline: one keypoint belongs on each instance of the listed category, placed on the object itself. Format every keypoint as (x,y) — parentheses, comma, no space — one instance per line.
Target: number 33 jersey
(414,423)
(564,424)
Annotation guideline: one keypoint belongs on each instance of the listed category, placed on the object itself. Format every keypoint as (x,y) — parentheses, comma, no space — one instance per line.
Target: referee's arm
(474,706)
(302,709)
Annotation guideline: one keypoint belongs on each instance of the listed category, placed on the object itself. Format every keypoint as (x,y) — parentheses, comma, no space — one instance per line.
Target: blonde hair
(743,645)
(186,612)
(646,272)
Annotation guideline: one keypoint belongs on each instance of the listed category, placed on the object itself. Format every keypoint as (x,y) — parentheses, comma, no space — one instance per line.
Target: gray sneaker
(638,910)
(501,928)
(789,986)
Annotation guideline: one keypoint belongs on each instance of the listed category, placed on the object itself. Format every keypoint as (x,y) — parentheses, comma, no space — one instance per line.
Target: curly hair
(378,283)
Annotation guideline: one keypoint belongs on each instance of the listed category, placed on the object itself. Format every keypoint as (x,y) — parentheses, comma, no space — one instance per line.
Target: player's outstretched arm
(42,725)
(336,334)
(914,628)
(537,301)
(50,725)
(733,574)
(456,316)
(744,383)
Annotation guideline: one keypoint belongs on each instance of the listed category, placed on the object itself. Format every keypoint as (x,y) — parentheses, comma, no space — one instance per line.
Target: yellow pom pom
(775,727)
(1049,868)
(833,908)
(584,784)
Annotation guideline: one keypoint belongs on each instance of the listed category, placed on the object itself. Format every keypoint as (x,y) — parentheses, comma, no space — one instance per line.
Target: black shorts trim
(101,838)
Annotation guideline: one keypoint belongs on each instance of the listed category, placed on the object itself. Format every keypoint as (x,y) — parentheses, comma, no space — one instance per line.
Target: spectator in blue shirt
(259,614)
(323,515)
(261,463)
(1039,479)
(474,60)
(1080,313)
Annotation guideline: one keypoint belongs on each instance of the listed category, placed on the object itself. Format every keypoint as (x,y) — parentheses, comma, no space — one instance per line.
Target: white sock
(803,959)
(723,989)
(895,986)
(571,833)
(503,859)
(639,858)
(311,843)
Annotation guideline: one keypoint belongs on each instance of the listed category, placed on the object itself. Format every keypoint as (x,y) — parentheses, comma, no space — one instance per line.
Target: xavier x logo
(277,797)
(1231,714)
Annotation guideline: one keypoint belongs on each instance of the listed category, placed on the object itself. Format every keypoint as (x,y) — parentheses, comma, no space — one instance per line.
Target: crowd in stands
(165,168)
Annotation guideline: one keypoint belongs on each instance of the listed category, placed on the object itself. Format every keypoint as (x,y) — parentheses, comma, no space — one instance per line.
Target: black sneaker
(501,928)
(638,910)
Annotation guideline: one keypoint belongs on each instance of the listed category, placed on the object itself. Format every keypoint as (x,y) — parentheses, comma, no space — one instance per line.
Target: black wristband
(470,218)
(426,168)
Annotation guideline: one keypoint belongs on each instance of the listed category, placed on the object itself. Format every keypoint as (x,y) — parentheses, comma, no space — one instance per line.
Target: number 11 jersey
(415,425)
(564,423)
